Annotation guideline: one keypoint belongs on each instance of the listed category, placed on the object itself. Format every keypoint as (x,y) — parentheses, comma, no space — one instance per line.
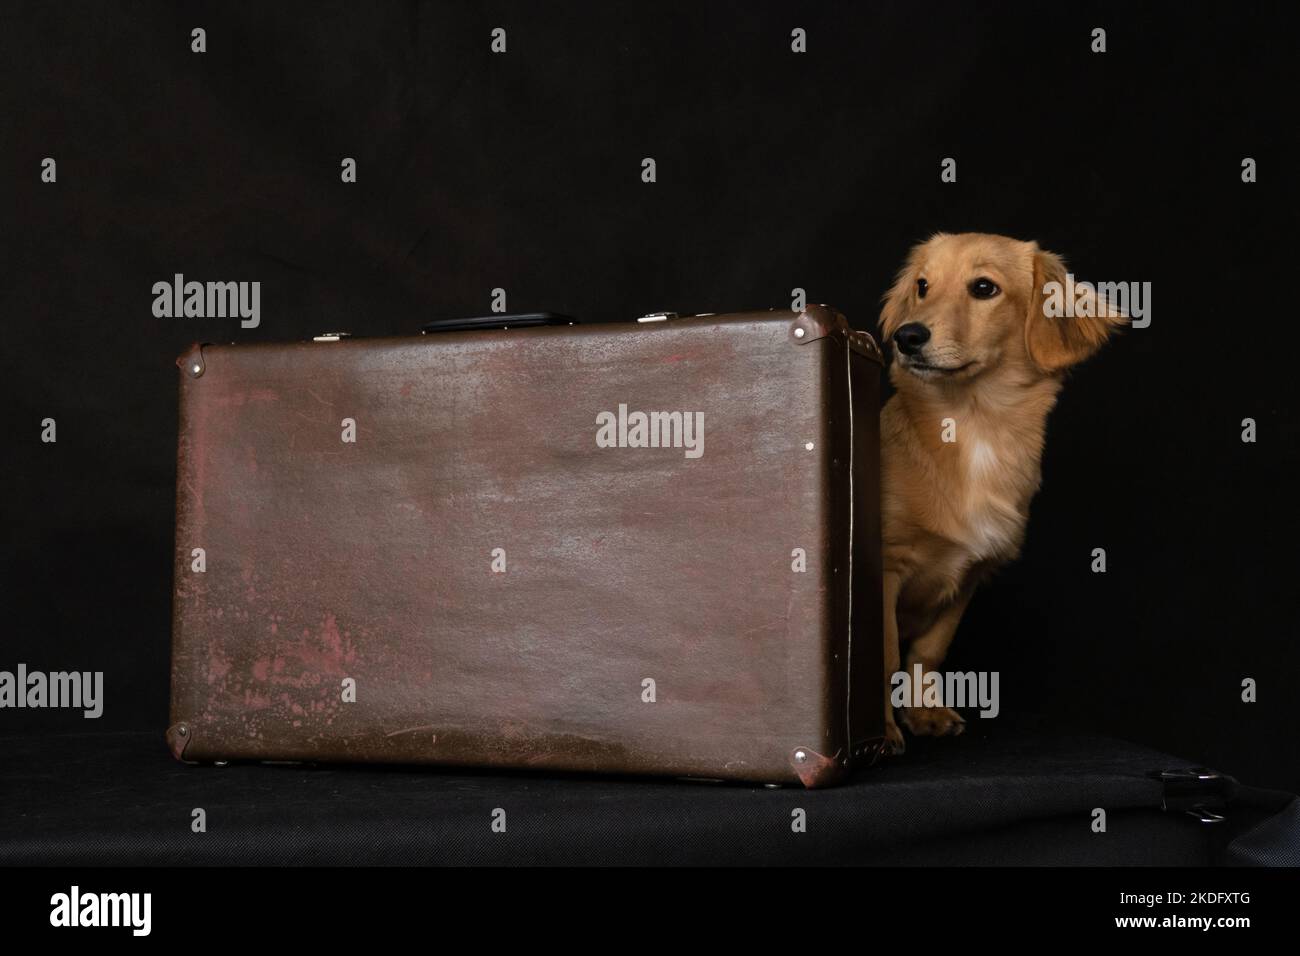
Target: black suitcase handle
(478,323)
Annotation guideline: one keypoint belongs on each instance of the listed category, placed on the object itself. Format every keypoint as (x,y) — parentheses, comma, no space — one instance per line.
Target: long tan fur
(987,378)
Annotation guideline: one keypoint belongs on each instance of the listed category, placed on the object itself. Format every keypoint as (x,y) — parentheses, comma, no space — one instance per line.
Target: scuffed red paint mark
(218,665)
(331,653)
(293,679)
(255,701)
(331,637)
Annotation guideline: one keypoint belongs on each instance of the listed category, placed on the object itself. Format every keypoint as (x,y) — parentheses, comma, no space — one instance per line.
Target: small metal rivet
(809,446)
(221,763)
(800,756)
(182,730)
(772,786)
(197,369)
(798,333)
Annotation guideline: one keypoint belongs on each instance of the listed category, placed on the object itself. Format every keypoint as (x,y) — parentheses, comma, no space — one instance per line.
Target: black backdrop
(775,170)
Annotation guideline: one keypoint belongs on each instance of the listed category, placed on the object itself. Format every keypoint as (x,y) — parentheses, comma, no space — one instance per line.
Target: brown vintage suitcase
(468,548)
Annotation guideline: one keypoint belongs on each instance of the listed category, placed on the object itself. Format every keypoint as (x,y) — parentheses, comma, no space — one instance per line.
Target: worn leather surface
(372,560)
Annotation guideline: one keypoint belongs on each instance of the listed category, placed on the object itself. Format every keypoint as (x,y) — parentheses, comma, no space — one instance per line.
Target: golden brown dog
(977,366)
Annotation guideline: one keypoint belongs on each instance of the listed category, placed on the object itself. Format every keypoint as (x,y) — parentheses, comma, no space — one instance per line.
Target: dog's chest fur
(992,508)
(963,505)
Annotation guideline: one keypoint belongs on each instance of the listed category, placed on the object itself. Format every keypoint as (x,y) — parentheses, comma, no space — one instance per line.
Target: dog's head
(971,305)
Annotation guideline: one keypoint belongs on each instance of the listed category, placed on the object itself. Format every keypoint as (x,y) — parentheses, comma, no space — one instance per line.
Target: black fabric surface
(1022,795)
(1273,842)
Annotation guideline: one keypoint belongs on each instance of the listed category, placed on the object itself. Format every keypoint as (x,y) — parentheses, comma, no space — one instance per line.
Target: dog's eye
(921,287)
(984,288)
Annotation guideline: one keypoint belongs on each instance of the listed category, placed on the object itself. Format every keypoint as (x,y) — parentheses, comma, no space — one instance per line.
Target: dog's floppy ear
(897,303)
(1058,333)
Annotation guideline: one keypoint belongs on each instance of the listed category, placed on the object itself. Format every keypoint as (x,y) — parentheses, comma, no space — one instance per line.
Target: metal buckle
(1197,791)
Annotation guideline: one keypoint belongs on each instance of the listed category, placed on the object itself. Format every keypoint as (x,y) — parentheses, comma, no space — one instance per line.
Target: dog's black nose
(911,337)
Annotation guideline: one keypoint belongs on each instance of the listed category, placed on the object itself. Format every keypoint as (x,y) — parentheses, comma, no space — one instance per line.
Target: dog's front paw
(933,721)
(894,744)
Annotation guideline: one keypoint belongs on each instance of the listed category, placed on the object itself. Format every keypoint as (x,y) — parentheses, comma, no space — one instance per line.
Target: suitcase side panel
(371,561)
(866,651)
(853,561)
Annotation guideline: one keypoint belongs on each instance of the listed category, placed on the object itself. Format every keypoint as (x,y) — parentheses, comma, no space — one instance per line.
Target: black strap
(478,323)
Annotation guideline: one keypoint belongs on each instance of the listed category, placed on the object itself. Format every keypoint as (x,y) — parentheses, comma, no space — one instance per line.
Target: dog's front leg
(893,736)
(929,650)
